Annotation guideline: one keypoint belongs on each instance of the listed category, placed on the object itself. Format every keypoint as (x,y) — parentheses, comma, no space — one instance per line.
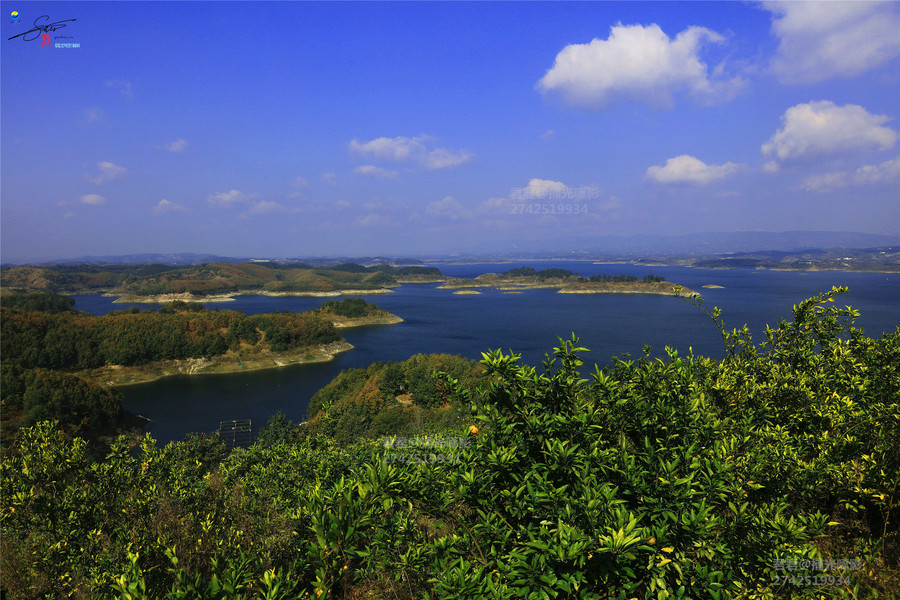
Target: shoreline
(230,297)
(119,376)
(346,323)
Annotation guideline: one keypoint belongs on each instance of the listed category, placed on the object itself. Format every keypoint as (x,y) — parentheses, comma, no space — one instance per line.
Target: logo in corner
(14,17)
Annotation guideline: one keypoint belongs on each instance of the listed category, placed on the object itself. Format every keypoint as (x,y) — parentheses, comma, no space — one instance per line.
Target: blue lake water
(437,321)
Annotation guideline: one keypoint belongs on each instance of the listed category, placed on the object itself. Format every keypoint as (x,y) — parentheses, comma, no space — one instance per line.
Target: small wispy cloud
(415,150)
(377,172)
(885,173)
(94,199)
(106,171)
(92,114)
(447,208)
(686,169)
(178,146)
(226,199)
(167,206)
(123,87)
(265,207)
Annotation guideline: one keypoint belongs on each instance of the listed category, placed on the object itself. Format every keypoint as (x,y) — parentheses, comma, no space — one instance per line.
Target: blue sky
(298,128)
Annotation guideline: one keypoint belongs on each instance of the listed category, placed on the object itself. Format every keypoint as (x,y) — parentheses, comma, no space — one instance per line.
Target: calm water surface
(437,321)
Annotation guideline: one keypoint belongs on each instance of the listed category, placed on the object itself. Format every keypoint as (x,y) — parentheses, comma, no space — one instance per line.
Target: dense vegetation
(678,478)
(208,279)
(350,308)
(178,330)
(33,395)
(51,303)
(405,399)
(43,340)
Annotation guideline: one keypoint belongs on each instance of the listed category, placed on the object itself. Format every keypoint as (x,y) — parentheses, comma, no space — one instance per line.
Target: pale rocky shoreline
(188,297)
(493,281)
(117,375)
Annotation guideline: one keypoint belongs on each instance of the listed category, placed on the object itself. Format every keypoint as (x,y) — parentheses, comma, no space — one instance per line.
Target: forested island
(565,281)
(445,478)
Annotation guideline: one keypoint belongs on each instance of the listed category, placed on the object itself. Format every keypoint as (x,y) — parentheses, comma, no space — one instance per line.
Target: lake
(529,323)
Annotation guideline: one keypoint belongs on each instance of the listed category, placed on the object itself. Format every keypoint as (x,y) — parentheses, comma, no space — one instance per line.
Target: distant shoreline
(230,297)
(562,286)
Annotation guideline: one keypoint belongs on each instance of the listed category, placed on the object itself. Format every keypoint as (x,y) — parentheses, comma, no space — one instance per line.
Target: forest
(771,473)
(46,344)
(207,279)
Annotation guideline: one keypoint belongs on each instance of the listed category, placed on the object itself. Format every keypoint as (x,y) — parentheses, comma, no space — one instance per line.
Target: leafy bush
(681,477)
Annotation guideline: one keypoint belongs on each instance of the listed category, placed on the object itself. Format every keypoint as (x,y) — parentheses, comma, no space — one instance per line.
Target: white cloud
(374,220)
(447,208)
(107,171)
(548,134)
(542,188)
(267,207)
(92,199)
(92,114)
(640,64)
(495,206)
(178,146)
(820,40)
(300,182)
(414,150)
(329,178)
(557,191)
(887,172)
(226,199)
(690,170)
(821,128)
(166,206)
(377,172)
(124,87)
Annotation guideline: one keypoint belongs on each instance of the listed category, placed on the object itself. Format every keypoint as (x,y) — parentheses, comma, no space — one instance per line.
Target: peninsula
(132,346)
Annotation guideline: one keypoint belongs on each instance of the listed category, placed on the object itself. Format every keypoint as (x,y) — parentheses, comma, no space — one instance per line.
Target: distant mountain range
(710,243)
(636,246)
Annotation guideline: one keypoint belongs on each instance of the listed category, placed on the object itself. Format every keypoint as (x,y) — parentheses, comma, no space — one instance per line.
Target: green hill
(772,473)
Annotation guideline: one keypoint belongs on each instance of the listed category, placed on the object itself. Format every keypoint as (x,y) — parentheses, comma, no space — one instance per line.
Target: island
(565,282)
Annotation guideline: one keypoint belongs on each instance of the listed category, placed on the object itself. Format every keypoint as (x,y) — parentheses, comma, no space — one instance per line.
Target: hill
(157,283)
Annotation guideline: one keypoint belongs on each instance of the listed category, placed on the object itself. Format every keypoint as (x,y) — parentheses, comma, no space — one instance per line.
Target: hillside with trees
(772,473)
(566,282)
(147,282)
(58,363)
